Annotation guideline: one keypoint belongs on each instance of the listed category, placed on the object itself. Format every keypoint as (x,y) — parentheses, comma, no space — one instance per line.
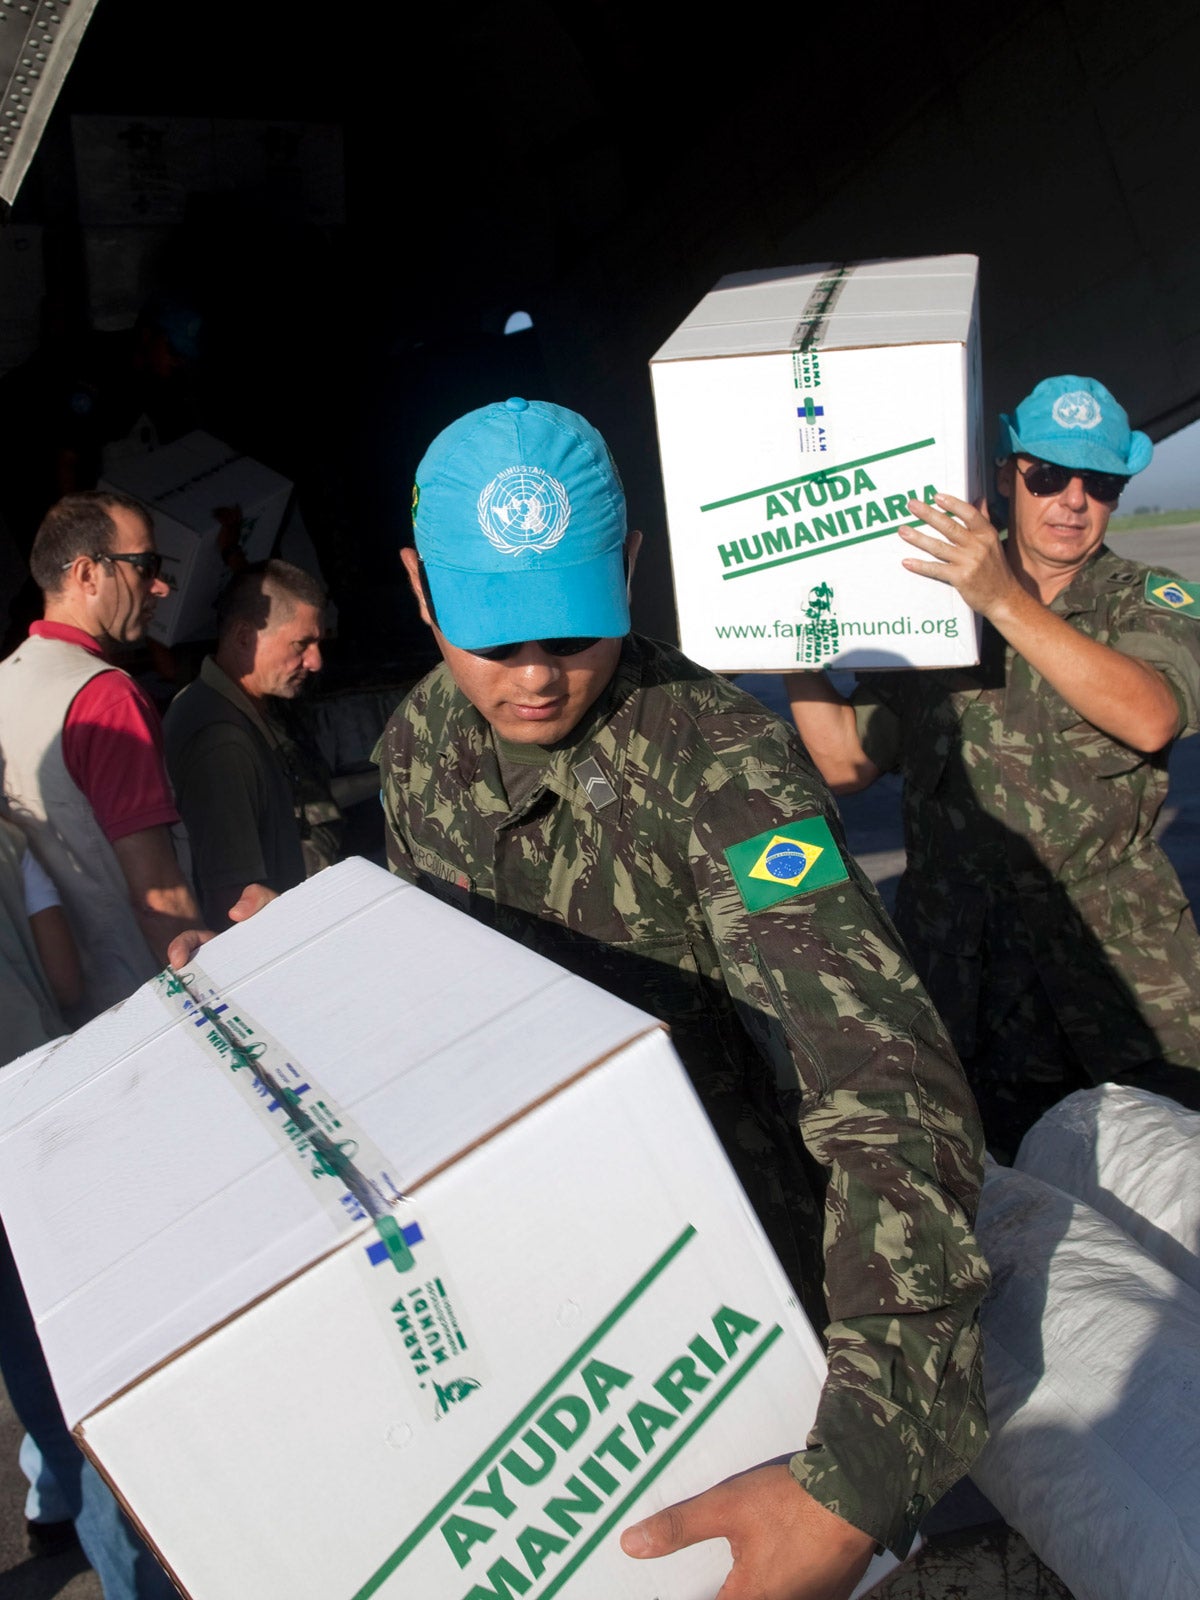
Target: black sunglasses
(1047,477)
(146,563)
(552,647)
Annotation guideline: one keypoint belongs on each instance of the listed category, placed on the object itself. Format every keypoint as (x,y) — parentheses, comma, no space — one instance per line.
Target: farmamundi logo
(832,508)
(820,634)
(569,1468)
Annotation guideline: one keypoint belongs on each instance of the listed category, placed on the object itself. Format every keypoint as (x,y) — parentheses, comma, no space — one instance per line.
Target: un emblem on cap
(1079,409)
(524,508)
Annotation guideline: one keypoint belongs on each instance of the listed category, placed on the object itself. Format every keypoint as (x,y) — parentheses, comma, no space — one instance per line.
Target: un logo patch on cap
(792,859)
(1079,409)
(524,508)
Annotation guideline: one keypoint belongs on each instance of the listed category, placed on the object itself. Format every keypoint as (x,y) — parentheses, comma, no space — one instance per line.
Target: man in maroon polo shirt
(81,744)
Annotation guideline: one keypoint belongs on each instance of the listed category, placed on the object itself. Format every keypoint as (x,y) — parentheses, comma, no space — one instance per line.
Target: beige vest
(26,1003)
(38,682)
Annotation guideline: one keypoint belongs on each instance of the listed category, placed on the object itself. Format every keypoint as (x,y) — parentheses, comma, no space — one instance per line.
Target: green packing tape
(310,1124)
(392,1234)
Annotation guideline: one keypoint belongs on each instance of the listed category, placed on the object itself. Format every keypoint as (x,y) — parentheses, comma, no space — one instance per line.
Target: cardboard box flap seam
(895,268)
(531,1106)
(354,1230)
(739,352)
(360,1231)
(340,1148)
(266,1060)
(106,1063)
(79,1428)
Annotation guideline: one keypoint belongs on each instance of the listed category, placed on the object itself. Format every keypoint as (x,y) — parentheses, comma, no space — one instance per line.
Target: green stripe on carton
(429,1521)
(668,1455)
(821,550)
(821,472)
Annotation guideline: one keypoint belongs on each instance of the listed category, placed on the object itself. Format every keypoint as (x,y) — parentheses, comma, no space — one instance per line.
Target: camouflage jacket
(1018,811)
(814,1049)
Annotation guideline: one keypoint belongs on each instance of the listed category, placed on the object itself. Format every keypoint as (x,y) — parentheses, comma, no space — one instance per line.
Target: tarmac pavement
(988,1562)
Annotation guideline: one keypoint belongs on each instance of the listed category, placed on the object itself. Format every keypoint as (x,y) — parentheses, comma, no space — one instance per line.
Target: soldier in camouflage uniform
(1049,926)
(645,824)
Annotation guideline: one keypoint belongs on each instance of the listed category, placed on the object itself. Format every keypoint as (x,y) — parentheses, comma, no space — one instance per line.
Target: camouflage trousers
(1038,1005)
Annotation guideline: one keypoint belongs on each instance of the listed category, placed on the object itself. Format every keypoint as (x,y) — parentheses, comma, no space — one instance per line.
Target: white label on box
(429,1335)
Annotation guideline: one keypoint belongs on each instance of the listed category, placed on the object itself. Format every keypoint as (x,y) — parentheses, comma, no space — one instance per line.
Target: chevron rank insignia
(1171,594)
(594,784)
(792,859)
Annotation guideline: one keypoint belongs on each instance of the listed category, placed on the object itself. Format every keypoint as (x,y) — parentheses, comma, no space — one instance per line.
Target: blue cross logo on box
(377,1251)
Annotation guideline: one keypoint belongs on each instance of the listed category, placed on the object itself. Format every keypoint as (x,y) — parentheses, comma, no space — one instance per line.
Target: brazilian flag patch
(791,859)
(1172,594)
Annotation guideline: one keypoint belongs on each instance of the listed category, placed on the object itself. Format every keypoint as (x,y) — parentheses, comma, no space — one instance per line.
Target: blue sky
(1172,480)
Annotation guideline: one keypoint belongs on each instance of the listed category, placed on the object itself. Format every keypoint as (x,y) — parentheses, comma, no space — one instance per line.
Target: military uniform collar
(1104,571)
(586,769)
(589,768)
(467,749)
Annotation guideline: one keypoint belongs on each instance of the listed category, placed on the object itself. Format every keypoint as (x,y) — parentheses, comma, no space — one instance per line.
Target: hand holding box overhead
(967,551)
(1124,697)
(800,411)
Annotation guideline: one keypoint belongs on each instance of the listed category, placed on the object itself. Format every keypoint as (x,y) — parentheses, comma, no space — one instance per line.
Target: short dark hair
(77,525)
(252,594)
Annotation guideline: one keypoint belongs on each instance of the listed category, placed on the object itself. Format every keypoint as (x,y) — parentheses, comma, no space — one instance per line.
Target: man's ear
(412,565)
(246,636)
(86,572)
(1006,472)
(633,543)
(238,647)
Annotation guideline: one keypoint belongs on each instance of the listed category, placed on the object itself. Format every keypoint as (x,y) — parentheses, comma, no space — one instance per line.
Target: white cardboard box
(797,410)
(583,1298)
(183,484)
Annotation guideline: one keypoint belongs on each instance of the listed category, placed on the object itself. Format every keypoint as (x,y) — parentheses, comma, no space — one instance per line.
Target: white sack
(1092,1367)
(1135,1158)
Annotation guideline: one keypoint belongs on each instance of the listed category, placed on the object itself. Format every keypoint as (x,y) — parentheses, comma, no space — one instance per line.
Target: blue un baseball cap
(519,520)
(1075,422)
